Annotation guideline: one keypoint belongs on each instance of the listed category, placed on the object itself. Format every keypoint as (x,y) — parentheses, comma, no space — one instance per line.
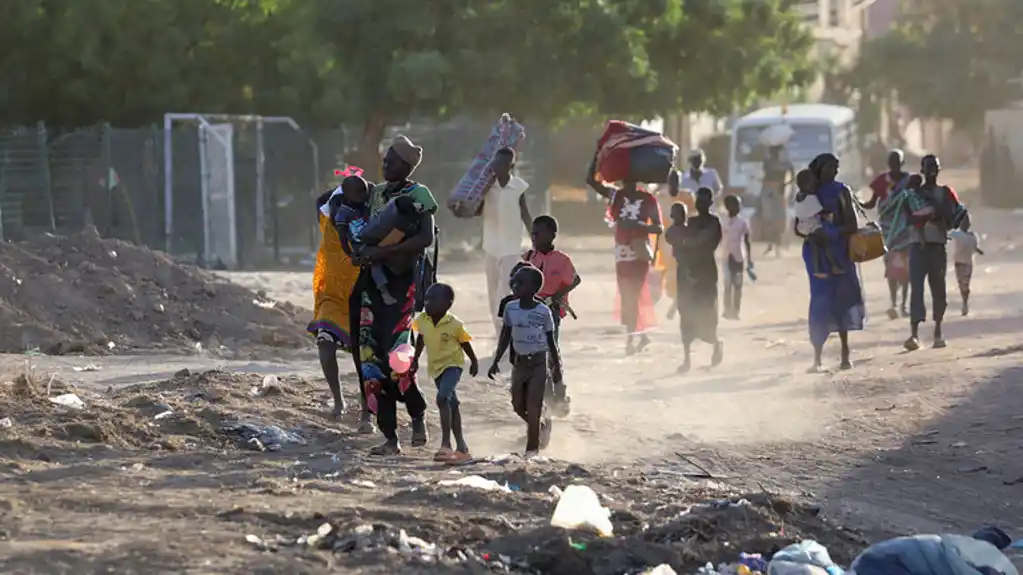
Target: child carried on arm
(809,217)
(359,228)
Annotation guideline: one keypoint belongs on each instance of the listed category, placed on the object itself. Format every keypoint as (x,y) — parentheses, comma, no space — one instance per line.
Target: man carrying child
(933,210)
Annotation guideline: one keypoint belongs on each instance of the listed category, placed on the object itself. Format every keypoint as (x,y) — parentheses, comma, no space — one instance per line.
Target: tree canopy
(373,63)
(948,59)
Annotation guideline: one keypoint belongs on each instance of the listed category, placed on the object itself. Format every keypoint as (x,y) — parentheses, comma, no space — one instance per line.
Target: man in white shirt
(505,217)
(698,176)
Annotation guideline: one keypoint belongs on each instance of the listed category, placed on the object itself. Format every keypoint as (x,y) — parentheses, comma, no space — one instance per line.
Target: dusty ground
(904,442)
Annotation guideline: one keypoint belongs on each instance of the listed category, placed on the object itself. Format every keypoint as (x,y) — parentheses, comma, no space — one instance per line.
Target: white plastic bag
(776,135)
(580,508)
(476,482)
(68,400)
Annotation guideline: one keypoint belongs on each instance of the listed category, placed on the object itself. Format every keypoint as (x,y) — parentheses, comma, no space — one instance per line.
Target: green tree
(70,62)
(948,59)
(383,62)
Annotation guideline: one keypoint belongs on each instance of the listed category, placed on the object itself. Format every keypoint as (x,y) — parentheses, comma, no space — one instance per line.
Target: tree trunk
(367,153)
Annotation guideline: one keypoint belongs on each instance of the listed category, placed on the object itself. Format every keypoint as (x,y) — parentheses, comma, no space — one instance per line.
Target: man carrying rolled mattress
(505,217)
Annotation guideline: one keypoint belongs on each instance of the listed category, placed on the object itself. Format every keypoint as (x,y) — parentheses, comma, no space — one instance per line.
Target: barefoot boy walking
(447,343)
(529,326)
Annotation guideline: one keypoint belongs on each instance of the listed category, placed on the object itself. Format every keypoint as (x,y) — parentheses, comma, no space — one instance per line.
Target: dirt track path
(875,444)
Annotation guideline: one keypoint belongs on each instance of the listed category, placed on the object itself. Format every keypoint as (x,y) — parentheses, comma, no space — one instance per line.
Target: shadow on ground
(961,471)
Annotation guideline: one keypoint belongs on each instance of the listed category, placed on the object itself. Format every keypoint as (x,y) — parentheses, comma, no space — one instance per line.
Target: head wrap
(406,150)
(820,161)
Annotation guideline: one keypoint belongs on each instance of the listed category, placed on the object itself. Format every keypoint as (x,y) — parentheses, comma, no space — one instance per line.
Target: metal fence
(57,181)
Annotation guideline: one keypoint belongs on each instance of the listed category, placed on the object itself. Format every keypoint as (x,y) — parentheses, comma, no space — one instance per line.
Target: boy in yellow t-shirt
(447,343)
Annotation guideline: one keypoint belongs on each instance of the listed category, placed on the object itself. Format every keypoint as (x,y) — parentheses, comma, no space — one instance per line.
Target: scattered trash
(921,554)
(89,367)
(257,542)
(270,385)
(163,415)
(475,482)
(69,400)
(6,423)
(580,508)
(789,560)
(555,492)
(263,437)
(363,483)
(662,569)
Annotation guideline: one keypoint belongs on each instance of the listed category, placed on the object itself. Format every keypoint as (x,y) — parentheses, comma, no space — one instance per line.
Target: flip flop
(459,458)
(443,455)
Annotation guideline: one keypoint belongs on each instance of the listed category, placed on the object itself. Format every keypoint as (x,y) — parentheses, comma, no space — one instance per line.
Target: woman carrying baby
(384,326)
(836,299)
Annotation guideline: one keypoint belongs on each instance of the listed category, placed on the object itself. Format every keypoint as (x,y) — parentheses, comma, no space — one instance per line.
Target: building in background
(838,26)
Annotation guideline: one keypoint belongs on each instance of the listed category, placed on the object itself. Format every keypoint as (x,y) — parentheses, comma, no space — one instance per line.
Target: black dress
(698,279)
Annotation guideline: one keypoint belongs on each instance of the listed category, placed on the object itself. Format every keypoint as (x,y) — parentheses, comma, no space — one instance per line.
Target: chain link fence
(59,181)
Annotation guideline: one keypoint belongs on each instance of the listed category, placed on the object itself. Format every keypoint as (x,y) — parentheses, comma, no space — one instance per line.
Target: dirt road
(922,441)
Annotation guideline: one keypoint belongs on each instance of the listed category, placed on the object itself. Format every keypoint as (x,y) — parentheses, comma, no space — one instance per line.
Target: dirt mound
(209,410)
(84,294)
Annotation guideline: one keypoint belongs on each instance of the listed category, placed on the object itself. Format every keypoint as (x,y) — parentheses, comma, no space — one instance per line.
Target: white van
(817,129)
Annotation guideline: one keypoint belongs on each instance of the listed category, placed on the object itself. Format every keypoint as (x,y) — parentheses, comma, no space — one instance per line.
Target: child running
(966,244)
(447,343)
(559,279)
(736,238)
(528,324)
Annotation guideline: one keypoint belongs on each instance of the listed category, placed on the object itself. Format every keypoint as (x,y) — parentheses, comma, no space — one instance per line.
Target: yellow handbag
(867,243)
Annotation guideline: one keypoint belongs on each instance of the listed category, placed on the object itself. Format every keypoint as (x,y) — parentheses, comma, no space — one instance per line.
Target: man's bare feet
(815,368)
(684,368)
(893,313)
(366,426)
(339,408)
(719,354)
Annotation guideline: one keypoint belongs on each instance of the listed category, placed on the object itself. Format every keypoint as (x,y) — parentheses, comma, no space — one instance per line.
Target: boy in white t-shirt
(505,220)
(965,244)
(735,236)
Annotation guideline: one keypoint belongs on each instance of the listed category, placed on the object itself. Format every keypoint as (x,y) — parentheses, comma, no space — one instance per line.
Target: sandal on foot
(459,458)
(912,344)
(443,455)
(893,313)
(384,449)
(940,343)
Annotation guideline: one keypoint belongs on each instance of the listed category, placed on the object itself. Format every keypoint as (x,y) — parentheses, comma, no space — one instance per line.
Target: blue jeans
(928,264)
(447,384)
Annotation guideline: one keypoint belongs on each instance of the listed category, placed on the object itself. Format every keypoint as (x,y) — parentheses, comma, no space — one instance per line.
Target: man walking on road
(934,210)
(505,218)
